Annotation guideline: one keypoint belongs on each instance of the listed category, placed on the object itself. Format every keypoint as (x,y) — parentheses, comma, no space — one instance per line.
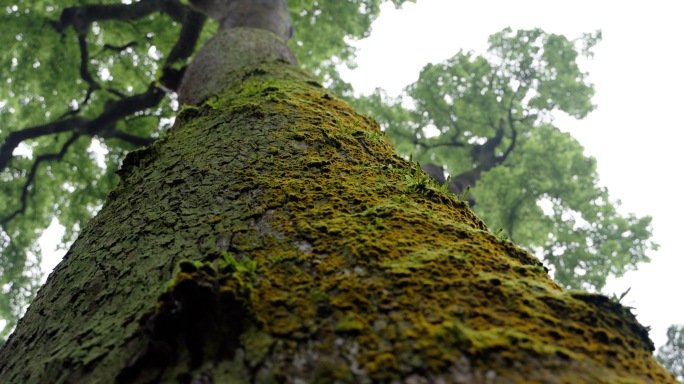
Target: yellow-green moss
(274,236)
(362,259)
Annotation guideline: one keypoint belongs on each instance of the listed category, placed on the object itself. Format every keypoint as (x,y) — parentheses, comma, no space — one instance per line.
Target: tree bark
(273,235)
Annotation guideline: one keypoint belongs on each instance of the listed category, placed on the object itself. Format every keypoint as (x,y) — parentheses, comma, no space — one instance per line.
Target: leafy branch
(116,110)
(32,174)
(81,17)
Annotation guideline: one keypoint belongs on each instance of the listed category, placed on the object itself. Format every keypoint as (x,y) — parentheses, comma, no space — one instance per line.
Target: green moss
(397,264)
(292,215)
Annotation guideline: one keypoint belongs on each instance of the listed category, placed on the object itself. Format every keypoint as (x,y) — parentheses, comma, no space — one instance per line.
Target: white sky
(634,133)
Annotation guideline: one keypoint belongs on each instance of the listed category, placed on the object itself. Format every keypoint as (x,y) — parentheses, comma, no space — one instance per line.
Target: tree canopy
(80,74)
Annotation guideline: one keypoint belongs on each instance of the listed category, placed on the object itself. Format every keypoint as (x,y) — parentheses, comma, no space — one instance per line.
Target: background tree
(671,355)
(79,76)
(487,120)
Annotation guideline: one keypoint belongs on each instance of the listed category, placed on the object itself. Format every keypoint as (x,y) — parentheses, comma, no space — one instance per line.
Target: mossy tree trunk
(274,236)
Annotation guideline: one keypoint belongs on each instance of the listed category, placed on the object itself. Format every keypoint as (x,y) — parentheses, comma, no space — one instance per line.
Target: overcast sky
(635,133)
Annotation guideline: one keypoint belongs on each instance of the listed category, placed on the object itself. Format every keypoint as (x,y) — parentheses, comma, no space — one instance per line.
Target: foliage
(671,355)
(488,119)
(78,75)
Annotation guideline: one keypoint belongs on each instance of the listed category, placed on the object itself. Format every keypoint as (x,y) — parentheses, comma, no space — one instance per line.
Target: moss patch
(273,235)
(367,270)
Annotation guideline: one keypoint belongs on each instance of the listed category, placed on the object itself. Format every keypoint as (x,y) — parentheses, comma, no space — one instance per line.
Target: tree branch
(14,138)
(187,40)
(514,136)
(81,17)
(32,174)
(184,47)
(484,155)
(452,143)
(116,111)
(511,123)
(135,140)
(119,48)
(512,215)
(119,109)
(85,74)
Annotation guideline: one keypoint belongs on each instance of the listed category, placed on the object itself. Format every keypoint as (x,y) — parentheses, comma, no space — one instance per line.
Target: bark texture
(274,236)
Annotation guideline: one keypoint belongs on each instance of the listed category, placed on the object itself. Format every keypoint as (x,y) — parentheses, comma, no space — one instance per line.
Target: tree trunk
(274,236)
